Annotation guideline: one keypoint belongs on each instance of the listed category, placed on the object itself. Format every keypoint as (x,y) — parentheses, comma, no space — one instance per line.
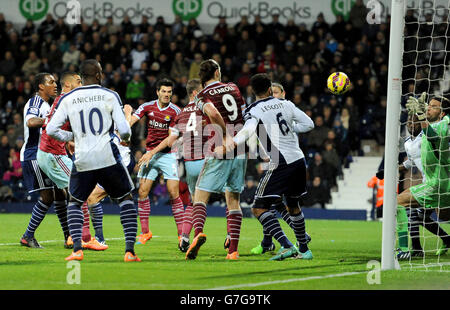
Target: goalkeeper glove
(417,106)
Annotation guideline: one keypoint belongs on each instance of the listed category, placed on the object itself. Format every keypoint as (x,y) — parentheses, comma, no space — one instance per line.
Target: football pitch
(341,249)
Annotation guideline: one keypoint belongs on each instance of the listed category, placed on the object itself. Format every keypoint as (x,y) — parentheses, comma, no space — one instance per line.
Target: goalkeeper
(434,192)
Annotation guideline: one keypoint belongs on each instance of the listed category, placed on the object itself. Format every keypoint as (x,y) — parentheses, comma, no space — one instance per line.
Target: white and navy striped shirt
(35,107)
(93,112)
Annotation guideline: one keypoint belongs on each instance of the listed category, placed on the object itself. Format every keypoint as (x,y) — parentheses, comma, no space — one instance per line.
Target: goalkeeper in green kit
(434,192)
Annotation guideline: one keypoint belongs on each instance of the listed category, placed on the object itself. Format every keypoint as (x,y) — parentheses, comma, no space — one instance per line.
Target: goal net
(425,68)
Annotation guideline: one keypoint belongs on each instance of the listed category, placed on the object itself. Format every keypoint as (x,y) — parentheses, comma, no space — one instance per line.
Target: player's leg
(173,188)
(269,222)
(80,186)
(233,188)
(296,187)
(406,200)
(234,222)
(118,184)
(184,243)
(61,198)
(36,180)
(96,213)
(436,229)
(168,165)
(57,168)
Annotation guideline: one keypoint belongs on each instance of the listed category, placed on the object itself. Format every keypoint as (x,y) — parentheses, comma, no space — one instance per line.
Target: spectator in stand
(318,194)
(14,169)
(4,154)
(242,79)
(358,15)
(135,89)
(32,64)
(138,56)
(222,27)
(194,68)
(8,65)
(317,137)
(319,168)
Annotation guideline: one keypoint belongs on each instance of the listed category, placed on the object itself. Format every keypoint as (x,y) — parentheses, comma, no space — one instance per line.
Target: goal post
(394,93)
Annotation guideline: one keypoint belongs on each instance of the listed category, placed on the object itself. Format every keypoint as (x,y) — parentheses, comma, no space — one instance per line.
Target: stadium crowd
(135,56)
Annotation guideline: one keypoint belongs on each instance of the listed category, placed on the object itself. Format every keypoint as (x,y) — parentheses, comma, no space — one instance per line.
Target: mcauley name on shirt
(87,99)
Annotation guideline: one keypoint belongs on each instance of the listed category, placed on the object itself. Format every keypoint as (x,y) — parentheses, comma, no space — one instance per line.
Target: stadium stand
(134,56)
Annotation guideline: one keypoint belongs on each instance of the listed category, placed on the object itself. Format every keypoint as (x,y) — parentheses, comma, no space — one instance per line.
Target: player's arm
(123,127)
(35,122)
(54,126)
(302,122)
(129,116)
(242,136)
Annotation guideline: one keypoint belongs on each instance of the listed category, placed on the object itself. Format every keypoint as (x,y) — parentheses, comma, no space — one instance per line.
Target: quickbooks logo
(33,9)
(342,7)
(187,9)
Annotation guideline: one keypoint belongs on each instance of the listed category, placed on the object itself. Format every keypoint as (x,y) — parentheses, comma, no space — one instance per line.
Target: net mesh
(426,68)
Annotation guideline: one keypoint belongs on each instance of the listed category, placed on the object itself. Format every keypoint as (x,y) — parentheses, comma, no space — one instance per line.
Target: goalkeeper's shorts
(429,196)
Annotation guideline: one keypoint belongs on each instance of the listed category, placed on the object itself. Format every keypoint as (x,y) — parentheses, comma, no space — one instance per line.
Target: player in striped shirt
(35,113)
(188,128)
(161,114)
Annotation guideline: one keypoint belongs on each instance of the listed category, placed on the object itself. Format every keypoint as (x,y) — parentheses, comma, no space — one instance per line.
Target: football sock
(75,219)
(61,213)
(272,226)
(128,218)
(234,221)
(178,213)
(187,221)
(436,229)
(267,237)
(86,234)
(144,213)
(199,217)
(39,211)
(298,225)
(97,220)
(402,228)
(414,230)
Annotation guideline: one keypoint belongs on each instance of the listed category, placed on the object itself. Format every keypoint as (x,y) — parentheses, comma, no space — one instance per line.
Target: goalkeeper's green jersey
(435,154)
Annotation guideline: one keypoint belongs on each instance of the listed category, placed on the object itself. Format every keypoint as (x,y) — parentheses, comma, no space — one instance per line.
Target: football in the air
(338,83)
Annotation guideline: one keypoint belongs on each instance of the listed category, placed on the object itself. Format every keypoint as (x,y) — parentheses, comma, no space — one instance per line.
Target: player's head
(45,85)
(438,107)
(261,85)
(164,89)
(413,125)
(193,87)
(209,70)
(91,72)
(278,91)
(70,80)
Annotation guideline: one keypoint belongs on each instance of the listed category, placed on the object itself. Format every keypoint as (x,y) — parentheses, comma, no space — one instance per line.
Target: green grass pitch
(342,250)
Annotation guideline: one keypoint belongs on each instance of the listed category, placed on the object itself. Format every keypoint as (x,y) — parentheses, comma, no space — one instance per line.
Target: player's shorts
(220,175)
(130,168)
(114,179)
(166,163)
(283,179)
(56,167)
(193,169)
(34,178)
(429,196)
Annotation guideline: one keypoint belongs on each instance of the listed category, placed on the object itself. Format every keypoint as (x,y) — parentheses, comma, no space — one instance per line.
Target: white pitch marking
(287,281)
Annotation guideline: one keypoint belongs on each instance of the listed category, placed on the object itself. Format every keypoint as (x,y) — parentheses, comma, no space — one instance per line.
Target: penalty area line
(53,241)
(288,280)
